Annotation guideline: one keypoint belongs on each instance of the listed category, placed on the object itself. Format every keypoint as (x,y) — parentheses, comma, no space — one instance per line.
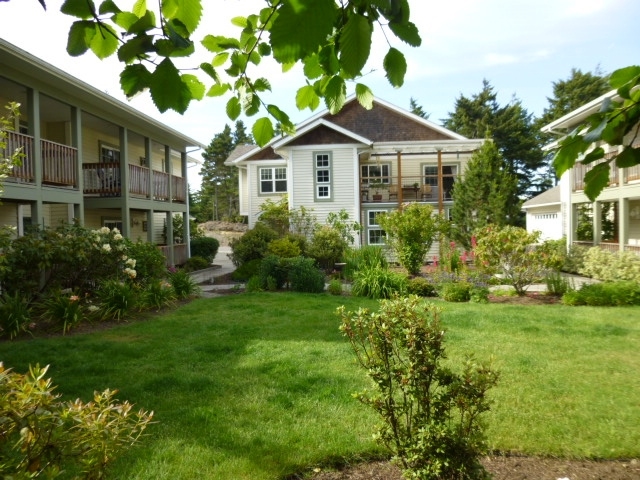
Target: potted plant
(377,186)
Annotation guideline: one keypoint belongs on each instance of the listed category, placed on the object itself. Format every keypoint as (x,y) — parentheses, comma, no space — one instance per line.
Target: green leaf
(79,8)
(395,65)
(312,68)
(364,96)
(355,44)
(234,109)
(262,131)
(105,42)
(209,70)
(135,79)
(593,155)
(239,22)
(300,28)
(264,49)
(623,75)
(335,94)
(143,24)
(196,87)
(217,43)
(329,60)
(168,91)
(137,47)
(251,104)
(178,35)
(124,20)
(188,12)
(306,97)
(629,157)
(407,32)
(80,35)
(139,7)
(596,180)
(220,59)
(262,85)
(218,89)
(108,6)
(168,48)
(570,148)
(594,134)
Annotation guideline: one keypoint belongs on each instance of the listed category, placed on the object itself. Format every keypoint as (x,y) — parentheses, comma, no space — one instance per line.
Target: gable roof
(564,124)
(546,198)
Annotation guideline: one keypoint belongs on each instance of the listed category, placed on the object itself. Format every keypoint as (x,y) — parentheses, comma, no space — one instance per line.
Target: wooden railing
(414,188)
(610,246)
(139,180)
(580,170)
(101,179)
(25,172)
(179,253)
(59,164)
(161,185)
(179,188)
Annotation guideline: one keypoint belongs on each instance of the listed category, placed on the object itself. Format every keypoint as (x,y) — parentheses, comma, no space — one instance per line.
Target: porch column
(76,141)
(170,242)
(623,222)
(124,183)
(440,183)
(33,108)
(147,155)
(168,169)
(150,226)
(597,223)
(399,160)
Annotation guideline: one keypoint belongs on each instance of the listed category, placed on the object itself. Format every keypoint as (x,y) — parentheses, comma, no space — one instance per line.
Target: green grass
(258,386)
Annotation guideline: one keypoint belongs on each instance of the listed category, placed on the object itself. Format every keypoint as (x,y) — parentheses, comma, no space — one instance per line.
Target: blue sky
(519,46)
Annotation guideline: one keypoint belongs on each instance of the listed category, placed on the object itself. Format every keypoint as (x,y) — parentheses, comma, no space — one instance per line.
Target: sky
(520,46)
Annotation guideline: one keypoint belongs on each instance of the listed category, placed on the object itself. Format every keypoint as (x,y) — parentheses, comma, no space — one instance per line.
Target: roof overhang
(564,124)
(282,142)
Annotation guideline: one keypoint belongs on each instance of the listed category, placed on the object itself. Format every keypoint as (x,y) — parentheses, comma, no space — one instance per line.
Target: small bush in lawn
(335,287)
(196,263)
(284,248)
(63,308)
(605,294)
(573,298)
(557,284)
(15,314)
(327,247)
(421,287)
(254,284)
(275,268)
(479,294)
(205,247)
(157,295)
(183,284)
(431,415)
(150,263)
(378,282)
(455,291)
(42,436)
(247,270)
(574,259)
(116,299)
(252,245)
(360,258)
(304,276)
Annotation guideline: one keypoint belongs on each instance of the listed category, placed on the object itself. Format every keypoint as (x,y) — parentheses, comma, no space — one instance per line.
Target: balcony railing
(580,170)
(59,164)
(610,246)
(161,185)
(25,172)
(411,188)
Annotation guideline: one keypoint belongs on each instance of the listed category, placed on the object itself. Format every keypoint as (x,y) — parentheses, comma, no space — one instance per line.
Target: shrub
(557,284)
(254,284)
(366,256)
(63,308)
(253,245)
(276,269)
(150,263)
(15,314)
(43,436)
(430,414)
(247,270)
(607,266)
(455,291)
(196,263)
(205,247)
(183,284)
(158,294)
(377,283)
(304,276)
(327,247)
(116,299)
(335,287)
(604,294)
(574,259)
(421,287)
(284,247)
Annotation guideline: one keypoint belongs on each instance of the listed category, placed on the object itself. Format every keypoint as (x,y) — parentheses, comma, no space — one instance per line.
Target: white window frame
(375,235)
(273,179)
(109,153)
(323,186)
(383,176)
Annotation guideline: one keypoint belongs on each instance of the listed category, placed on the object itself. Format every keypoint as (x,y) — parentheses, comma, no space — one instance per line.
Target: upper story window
(322,170)
(449,174)
(273,180)
(109,154)
(376,173)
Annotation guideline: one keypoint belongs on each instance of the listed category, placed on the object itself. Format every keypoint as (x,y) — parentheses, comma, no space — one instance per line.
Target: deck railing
(179,188)
(59,164)
(413,188)
(161,185)
(610,246)
(139,180)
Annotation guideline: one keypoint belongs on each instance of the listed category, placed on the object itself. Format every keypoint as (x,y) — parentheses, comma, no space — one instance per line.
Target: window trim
(375,227)
(316,169)
(385,179)
(273,180)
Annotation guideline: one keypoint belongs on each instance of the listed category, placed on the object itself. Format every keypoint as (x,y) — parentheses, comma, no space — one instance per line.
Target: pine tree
(510,126)
(484,195)
(417,109)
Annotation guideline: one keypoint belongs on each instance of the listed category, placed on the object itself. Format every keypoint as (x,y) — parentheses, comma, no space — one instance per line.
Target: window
(109,154)
(322,175)
(449,173)
(273,180)
(112,223)
(375,173)
(375,235)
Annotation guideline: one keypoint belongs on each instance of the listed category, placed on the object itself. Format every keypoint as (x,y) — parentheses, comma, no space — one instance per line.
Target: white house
(544,214)
(363,161)
(613,220)
(89,157)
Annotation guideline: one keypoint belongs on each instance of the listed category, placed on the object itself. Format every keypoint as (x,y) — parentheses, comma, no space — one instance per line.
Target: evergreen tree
(417,109)
(512,129)
(218,197)
(484,195)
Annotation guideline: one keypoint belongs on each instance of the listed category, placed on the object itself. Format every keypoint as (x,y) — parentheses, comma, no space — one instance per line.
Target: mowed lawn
(258,386)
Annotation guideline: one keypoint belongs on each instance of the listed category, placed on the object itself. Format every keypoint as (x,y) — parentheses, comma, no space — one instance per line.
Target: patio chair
(427,192)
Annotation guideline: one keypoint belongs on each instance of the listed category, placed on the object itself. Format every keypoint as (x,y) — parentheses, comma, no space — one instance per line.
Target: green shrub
(574,259)
(455,291)
(421,287)
(63,308)
(335,287)
(479,294)
(183,284)
(359,258)
(116,299)
(573,298)
(43,437)
(150,263)
(557,284)
(304,276)
(378,282)
(254,284)
(276,269)
(327,247)
(247,270)
(253,245)
(608,267)
(15,314)
(622,293)
(284,248)
(196,263)
(157,295)
(430,415)
(205,247)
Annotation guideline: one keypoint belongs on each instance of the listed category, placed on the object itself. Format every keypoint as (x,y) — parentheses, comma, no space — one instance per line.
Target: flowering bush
(63,308)
(608,266)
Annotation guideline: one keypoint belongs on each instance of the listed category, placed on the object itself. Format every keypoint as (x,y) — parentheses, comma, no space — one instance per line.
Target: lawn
(258,386)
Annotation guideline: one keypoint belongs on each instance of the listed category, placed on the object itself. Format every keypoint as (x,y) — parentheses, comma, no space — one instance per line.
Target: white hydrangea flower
(104,230)
(115,231)
(106,247)
(117,236)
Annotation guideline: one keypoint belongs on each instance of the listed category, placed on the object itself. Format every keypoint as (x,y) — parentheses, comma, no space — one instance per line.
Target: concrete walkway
(222,265)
